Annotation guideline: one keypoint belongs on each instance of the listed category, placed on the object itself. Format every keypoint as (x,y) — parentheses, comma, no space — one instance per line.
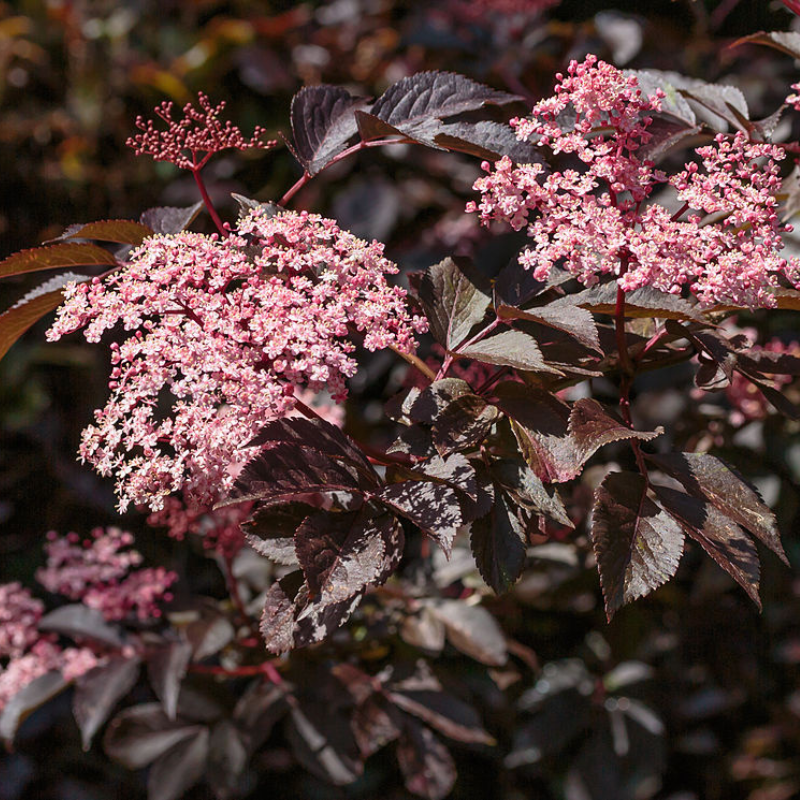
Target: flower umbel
(596,221)
(224,331)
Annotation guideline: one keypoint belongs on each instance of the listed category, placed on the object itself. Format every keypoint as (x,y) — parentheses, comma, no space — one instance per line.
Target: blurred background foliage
(717,681)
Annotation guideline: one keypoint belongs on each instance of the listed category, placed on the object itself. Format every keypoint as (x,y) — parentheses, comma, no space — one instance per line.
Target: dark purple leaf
(711,479)
(424,630)
(449,715)
(323,742)
(32,307)
(416,440)
(499,544)
(425,762)
(415,105)
(576,321)
(168,220)
(180,768)
(166,668)
(434,398)
(509,349)
(520,482)
(433,507)
(640,303)
(318,435)
(638,545)
(487,140)
(22,704)
(121,231)
(463,424)
(341,554)
(208,634)
(718,535)
(258,709)
(270,531)
(227,760)
(591,427)
(473,630)
(99,690)
(539,421)
(323,121)
(374,725)
(787,42)
(455,297)
(55,256)
(140,734)
(81,622)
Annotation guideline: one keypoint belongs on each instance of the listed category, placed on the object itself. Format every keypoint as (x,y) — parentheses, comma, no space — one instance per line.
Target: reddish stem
(198,179)
(306,176)
(266,668)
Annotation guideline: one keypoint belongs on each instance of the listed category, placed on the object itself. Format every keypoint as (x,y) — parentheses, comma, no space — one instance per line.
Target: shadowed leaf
(449,715)
(473,630)
(170,219)
(323,121)
(79,621)
(21,705)
(640,303)
(99,690)
(499,544)
(487,140)
(718,535)
(709,478)
(426,764)
(270,531)
(524,487)
(455,297)
(180,768)
(166,668)
(121,231)
(576,321)
(464,424)
(786,41)
(510,349)
(638,545)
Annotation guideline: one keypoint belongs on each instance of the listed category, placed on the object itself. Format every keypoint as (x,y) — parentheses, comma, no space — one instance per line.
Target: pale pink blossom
(19,615)
(597,221)
(101,572)
(223,332)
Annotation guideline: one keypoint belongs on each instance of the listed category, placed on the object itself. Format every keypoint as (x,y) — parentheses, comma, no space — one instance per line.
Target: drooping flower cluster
(224,332)
(191,141)
(595,221)
(100,571)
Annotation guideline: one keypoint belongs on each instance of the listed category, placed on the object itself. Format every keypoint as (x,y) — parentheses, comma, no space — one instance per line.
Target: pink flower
(597,221)
(224,332)
(19,616)
(191,141)
(100,572)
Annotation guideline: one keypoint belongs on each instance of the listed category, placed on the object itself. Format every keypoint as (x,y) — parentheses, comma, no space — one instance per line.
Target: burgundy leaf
(32,307)
(473,630)
(424,630)
(121,231)
(591,427)
(510,349)
(455,297)
(99,690)
(487,140)
(710,478)
(640,303)
(259,709)
(463,424)
(79,621)
(638,545)
(22,704)
(227,759)
(540,423)
(168,220)
(520,482)
(374,725)
(323,121)
(718,535)
(208,634)
(323,742)
(434,398)
(140,734)
(425,762)
(55,256)
(449,715)
(577,322)
(166,669)
(499,544)
(180,768)
(270,531)
(786,41)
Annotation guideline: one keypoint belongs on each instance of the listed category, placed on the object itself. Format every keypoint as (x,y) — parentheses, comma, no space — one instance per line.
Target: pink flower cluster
(27,652)
(191,141)
(595,221)
(747,400)
(224,332)
(484,11)
(100,572)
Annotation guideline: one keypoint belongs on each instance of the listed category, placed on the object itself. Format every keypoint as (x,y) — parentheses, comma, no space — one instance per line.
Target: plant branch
(198,179)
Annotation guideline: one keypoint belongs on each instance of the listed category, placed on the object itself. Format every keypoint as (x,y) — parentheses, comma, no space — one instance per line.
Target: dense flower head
(794,98)
(101,572)
(596,221)
(223,333)
(190,141)
(19,616)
